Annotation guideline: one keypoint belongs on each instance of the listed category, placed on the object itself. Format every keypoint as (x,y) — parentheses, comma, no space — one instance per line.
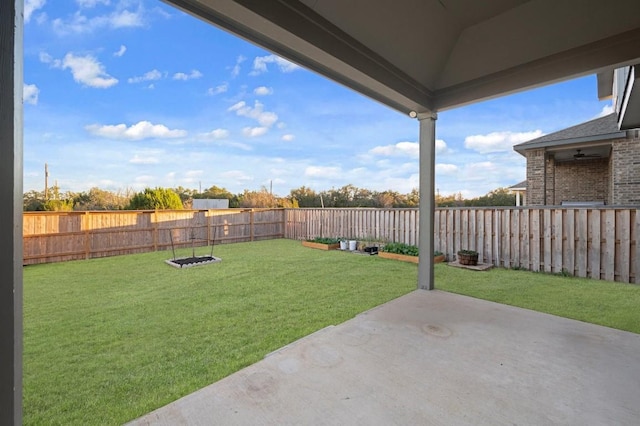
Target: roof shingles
(598,129)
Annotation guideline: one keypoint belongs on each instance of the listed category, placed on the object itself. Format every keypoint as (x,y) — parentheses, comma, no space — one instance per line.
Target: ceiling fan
(579,155)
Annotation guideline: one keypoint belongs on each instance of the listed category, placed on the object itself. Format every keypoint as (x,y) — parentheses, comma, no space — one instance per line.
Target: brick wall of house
(584,180)
(535,177)
(550,183)
(626,170)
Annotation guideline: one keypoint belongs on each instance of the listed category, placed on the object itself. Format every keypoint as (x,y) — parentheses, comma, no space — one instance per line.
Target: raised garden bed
(396,256)
(322,243)
(406,253)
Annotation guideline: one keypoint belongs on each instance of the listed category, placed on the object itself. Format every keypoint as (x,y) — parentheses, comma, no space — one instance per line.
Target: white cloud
(263,91)
(606,110)
(237,145)
(45,58)
(212,91)
(498,141)
(137,159)
(480,171)
(183,76)
(260,64)
(41,18)
(253,132)
(125,19)
(288,137)
(31,6)
(81,24)
(120,51)
(322,171)
(446,169)
(264,118)
(30,94)
(410,149)
(407,149)
(85,69)
(152,75)
(91,3)
(441,147)
(235,70)
(237,175)
(215,134)
(140,130)
(143,181)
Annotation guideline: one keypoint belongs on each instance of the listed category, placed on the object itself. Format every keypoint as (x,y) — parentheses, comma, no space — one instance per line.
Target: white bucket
(343,245)
(352,245)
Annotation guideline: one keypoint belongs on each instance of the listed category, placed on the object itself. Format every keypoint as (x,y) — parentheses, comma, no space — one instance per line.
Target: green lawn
(606,303)
(107,340)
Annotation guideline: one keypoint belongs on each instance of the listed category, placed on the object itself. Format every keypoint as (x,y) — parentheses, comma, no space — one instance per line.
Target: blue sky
(128,94)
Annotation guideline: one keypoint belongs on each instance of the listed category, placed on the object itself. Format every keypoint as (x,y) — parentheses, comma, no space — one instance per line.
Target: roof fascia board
(628,117)
(581,140)
(613,52)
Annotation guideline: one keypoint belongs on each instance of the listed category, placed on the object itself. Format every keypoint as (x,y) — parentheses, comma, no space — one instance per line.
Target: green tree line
(179,198)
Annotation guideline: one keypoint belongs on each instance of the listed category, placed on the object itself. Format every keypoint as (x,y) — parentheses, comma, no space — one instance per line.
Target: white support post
(11,30)
(427,198)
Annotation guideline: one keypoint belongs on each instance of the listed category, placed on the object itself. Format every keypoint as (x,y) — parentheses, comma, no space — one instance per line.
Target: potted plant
(322,243)
(468,257)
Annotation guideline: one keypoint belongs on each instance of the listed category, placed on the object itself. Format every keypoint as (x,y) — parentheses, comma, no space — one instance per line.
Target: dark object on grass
(185,262)
(371,250)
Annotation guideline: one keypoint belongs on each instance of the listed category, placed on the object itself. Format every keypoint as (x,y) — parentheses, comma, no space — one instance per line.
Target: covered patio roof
(416,56)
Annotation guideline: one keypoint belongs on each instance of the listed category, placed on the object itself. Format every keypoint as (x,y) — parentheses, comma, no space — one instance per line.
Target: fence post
(251,224)
(155,230)
(87,235)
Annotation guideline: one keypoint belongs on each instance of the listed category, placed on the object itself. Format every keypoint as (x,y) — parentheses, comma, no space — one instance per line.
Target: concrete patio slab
(436,358)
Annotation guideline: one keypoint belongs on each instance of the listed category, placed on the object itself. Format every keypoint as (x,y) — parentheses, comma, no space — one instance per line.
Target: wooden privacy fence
(388,225)
(61,236)
(599,243)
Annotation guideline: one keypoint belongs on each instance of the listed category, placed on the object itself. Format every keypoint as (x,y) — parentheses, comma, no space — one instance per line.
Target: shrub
(159,198)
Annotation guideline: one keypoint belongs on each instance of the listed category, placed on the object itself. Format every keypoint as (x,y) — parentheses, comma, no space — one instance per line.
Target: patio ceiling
(431,55)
